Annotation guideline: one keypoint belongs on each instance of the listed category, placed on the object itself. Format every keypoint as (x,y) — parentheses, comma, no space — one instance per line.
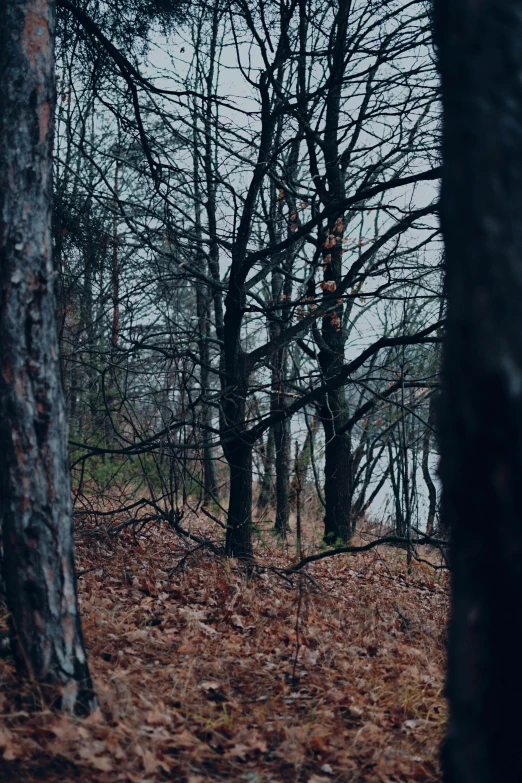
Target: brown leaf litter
(206,672)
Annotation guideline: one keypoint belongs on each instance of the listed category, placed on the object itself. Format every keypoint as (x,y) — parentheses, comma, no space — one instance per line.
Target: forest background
(248,256)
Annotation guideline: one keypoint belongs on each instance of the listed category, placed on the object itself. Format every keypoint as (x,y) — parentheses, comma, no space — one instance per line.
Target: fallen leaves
(8,745)
(158,716)
(198,679)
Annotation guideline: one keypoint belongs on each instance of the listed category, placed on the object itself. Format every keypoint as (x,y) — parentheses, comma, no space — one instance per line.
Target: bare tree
(245,234)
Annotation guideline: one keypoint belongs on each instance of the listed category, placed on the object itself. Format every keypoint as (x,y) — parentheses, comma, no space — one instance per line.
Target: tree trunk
(481,411)
(210,486)
(115,268)
(337,472)
(432,490)
(236,448)
(337,450)
(279,320)
(239,517)
(281,429)
(395,478)
(203,312)
(334,413)
(35,499)
(266,493)
(282,465)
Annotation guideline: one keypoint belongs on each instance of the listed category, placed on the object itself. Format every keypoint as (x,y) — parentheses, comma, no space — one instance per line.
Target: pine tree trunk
(35,493)
(479,46)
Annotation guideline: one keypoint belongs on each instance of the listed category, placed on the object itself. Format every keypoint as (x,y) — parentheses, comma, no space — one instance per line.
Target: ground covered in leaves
(205,672)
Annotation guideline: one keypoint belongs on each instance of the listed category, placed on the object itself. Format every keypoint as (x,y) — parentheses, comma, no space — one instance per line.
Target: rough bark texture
(35,496)
(480,53)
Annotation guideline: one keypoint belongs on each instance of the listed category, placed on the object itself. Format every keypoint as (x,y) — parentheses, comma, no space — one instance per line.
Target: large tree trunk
(480,54)
(35,498)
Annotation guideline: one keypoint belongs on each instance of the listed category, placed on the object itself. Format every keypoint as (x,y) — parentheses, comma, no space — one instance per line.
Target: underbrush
(206,671)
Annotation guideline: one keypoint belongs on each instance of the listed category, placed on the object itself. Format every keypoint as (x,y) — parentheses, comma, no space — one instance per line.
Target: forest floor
(204,673)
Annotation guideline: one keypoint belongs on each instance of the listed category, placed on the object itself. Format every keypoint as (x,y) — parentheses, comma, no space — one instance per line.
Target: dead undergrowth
(207,673)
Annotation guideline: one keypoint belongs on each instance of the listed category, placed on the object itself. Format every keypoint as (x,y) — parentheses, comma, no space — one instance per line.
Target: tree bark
(395,478)
(481,413)
(236,448)
(35,493)
(115,268)
(266,493)
(337,471)
(281,429)
(334,413)
(203,297)
(282,461)
(432,490)
(239,517)
(210,486)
